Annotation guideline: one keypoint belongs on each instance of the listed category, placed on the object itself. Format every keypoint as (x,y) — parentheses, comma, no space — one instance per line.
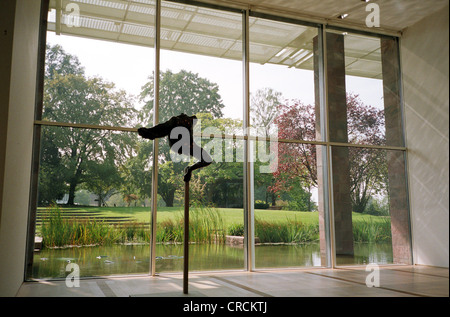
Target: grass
(372,229)
(229,215)
(206,225)
(287,232)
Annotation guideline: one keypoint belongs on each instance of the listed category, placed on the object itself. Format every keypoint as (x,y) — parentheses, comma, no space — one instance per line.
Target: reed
(286,232)
(58,231)
(369,230)
(206,225)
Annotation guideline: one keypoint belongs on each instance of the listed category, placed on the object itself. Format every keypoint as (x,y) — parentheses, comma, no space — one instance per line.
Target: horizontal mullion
(222,136)
(83,126)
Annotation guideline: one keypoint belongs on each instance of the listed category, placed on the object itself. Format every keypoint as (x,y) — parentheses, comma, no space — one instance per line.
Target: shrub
(259,204)
(236,230)
(377,207)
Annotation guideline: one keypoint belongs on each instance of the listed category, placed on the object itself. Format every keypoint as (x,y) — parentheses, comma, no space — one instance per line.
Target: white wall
(19,137)
(425,63)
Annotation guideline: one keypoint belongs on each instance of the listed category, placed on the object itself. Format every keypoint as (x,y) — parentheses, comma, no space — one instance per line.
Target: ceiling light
(343,16)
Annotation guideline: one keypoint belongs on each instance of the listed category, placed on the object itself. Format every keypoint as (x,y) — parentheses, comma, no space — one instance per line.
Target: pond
(134,259)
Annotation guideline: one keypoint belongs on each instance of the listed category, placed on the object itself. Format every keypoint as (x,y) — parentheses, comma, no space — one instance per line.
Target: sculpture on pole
(179,130)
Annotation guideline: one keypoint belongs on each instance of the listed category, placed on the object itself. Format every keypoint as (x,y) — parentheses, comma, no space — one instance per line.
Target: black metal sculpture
(165,129)
(189,149)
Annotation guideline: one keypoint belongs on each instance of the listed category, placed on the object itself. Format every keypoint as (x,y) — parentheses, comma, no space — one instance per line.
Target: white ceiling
(395,15)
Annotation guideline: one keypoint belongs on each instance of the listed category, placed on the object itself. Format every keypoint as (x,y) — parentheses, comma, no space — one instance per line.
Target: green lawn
(230,215)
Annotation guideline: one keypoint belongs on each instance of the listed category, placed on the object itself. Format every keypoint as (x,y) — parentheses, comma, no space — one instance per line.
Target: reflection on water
(134,259)
(365,253)
(273,256)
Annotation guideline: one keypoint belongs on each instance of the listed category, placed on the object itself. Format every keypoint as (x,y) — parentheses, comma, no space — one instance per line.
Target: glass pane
(201,74)
(282,82)
(370,206)
(201,63)
(93,203)
(216,211)
(287,206)
(92,73)
(363,87)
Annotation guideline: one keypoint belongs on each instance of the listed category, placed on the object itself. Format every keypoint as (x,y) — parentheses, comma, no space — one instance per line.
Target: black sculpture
(165,129)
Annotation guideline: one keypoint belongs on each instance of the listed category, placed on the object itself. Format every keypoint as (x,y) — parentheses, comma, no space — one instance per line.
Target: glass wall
(201,75)
(283,109)
(323,182)
(93,171)
(368,181)
(92,202)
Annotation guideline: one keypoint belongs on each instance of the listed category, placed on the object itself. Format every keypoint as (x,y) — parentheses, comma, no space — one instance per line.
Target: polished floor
(392,281)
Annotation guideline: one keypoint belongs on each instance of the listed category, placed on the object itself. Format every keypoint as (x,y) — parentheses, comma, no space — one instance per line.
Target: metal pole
(186,239)
(155,142)
(248,166)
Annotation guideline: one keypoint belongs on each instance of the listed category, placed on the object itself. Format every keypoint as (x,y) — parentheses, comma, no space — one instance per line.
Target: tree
(102,179)
(136,172)
(265,104)
(71,97)
(52,185)
(297,161)
(265,108)
(183,92)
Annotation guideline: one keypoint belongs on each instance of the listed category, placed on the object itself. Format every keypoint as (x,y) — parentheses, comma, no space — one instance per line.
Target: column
(337,125)
(398,203)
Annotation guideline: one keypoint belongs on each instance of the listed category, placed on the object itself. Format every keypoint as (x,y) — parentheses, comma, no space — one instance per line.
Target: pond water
(134,259)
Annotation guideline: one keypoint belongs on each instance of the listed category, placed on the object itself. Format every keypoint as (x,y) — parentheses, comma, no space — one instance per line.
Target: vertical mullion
(403,129)
(249,250)
(155,142)
(37,135)
(329,210)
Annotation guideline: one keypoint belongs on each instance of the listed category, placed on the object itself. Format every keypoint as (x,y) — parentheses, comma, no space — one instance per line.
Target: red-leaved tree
(297,162)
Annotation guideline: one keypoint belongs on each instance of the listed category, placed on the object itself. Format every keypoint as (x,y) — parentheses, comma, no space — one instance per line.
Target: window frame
(246,13)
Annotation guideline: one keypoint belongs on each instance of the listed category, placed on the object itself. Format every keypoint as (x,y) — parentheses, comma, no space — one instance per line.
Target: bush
(377,207)
(236,230)
(259,204)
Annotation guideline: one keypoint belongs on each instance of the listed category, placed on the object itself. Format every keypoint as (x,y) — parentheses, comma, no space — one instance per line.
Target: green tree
(183,92)
(137,172)
(69,96)
(102,179)
(52,184)
(265,108)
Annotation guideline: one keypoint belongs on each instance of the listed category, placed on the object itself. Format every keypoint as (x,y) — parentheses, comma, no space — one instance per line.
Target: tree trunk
(72,188)
(169,198)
